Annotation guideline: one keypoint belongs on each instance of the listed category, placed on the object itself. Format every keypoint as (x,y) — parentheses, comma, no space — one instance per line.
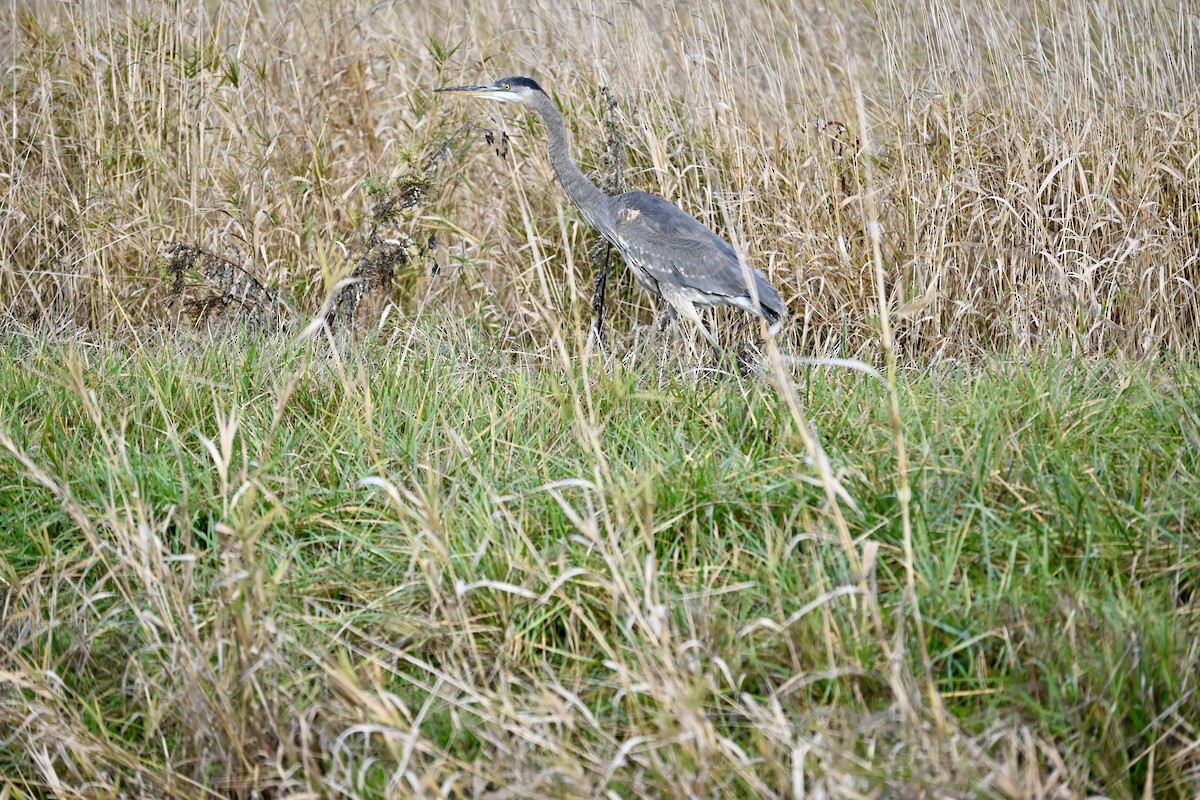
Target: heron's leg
(602,259)
(669,315)
(725,360)
(711,339)
(666,317)
(688,311)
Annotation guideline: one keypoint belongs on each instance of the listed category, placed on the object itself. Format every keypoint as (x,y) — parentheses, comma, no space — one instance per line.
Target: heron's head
(515,89)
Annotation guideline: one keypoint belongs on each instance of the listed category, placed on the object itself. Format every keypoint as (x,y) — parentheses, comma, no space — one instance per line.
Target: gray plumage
(671,253)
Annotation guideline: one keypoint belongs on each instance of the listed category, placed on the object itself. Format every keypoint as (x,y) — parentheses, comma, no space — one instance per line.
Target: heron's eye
(507,87)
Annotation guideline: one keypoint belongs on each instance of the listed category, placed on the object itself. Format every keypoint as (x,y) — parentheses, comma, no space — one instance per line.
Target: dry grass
(1035,166)
(469,559)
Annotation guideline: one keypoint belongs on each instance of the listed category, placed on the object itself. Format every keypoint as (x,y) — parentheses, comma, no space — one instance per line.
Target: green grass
(227,558)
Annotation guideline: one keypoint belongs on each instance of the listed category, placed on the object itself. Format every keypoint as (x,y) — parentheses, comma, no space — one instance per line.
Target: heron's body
(671,253)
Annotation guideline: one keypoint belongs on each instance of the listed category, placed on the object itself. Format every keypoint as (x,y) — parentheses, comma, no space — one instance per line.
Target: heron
(672,255)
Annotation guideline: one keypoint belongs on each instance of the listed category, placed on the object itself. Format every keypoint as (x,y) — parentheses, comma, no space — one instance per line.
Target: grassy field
(313,482)
(439,567)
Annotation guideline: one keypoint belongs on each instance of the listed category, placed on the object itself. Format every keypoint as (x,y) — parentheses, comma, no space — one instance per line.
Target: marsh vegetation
(315,480)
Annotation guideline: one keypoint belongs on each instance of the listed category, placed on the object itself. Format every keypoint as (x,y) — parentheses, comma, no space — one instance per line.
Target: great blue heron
(672,254)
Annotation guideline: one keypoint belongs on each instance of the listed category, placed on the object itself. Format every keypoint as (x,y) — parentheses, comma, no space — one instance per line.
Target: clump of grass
(215,292)
(386,250)
(379,259)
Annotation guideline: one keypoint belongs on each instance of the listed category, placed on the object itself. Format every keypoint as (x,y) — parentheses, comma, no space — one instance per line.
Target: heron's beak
(475,90)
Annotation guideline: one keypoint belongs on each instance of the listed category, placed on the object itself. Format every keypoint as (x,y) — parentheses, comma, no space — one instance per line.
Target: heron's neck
(595,204)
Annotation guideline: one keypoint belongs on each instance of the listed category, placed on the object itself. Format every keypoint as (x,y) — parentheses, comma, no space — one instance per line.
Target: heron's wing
(675,247)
